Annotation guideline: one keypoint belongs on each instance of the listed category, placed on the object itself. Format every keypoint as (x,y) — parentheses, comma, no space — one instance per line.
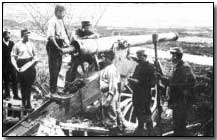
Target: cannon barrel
(91,46)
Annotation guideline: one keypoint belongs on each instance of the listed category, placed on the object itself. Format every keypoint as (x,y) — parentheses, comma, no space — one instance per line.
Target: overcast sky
(126,15)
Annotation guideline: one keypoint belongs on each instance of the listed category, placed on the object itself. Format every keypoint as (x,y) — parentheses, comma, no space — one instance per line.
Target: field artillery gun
(63,109)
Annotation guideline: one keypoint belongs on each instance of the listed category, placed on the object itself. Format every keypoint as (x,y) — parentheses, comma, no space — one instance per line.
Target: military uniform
(55,29)
(109,79)
(181,84)
(144,73)
(80,58)
(83,33)
(9,72)
(24,53)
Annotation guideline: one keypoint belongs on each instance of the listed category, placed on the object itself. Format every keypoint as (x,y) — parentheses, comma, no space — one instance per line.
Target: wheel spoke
(126,95)
(125,102)
(131,113)
(126,109)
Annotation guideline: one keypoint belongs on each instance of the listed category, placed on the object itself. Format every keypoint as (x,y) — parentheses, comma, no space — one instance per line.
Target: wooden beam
(83,127)
(188,127)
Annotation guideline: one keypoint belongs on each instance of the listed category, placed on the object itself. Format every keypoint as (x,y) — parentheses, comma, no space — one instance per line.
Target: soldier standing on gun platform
(141,81)
(181,83)
(57,39)
(9,72)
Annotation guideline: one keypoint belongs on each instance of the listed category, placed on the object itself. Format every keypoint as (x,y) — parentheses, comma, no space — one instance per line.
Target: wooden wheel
(126,106)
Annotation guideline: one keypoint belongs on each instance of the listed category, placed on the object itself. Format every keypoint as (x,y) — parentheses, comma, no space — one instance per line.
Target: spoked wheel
(127,108)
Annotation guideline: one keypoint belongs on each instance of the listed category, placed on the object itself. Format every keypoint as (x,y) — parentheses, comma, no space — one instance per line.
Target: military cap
(141,53)
(24,31)
(59,8)
(176,50)
(85,23)
(5,33)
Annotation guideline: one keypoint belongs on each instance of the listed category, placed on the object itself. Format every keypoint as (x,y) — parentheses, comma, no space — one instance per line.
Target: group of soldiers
(14,57)
(180,82)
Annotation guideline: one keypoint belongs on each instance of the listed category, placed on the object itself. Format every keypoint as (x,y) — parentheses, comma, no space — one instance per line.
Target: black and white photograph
(108,69)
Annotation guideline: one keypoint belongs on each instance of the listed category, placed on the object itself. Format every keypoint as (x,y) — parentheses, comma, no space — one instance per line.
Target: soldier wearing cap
(141,82)
(84,32)
(22,53)
(181,83)
(9,73)
(57,39)
(109,86)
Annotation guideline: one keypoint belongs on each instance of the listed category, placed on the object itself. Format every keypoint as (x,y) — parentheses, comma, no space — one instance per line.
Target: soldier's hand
(167,93)
(167,97)
(110,93)
(19,69)
(68,50)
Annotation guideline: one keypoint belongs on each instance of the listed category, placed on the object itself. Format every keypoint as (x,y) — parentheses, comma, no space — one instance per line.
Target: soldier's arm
(51,33)
(93,36)
(14,54)
(55,43)
(111,82)
(189,81)
(190,77)
(153,77)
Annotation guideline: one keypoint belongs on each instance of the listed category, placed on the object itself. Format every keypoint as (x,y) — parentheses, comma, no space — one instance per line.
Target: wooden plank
(83,127)
(191,126)
(62,109)
(13,108)
(19,127)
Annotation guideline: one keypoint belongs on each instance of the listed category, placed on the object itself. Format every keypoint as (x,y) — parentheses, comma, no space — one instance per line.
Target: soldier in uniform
(57,39)
(109,86)
(22,53)
(141,82)
(181,82)
(84,32)
(9,72)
